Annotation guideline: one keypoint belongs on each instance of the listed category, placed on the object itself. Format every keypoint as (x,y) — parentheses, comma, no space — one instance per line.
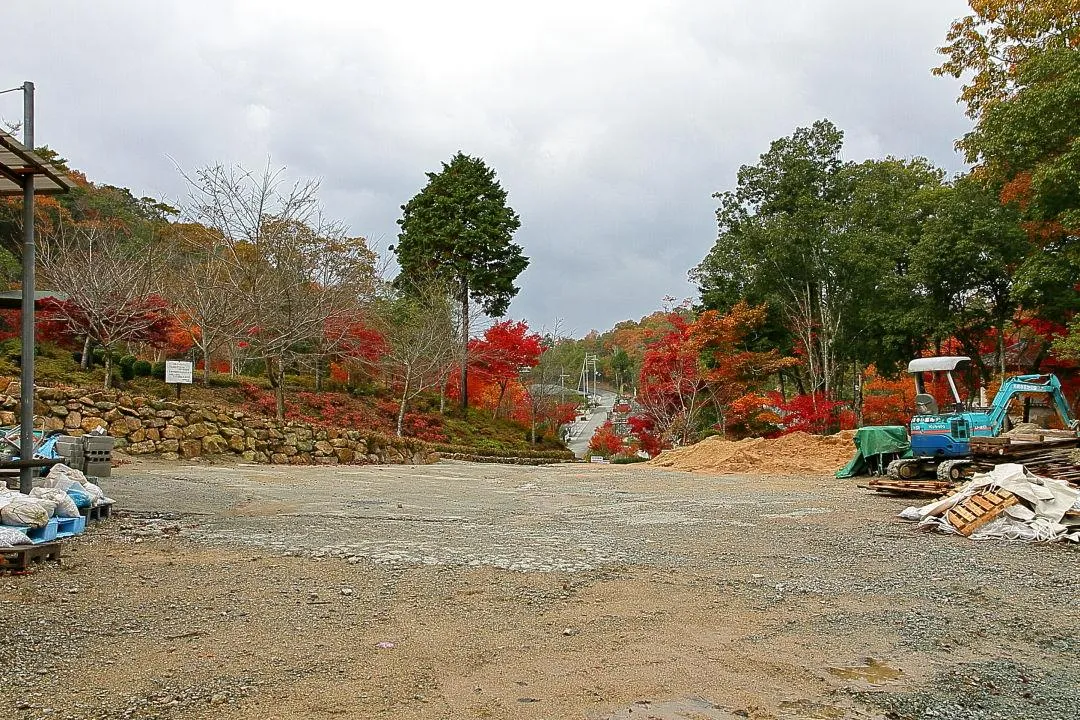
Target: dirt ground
(480,591)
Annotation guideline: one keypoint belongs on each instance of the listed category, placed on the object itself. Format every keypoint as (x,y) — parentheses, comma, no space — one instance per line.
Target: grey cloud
(610,124)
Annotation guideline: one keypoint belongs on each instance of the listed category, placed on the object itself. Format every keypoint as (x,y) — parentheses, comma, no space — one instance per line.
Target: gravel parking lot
(573,591)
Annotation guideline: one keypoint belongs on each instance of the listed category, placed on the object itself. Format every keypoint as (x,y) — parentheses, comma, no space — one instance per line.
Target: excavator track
(904,469)
(953,470)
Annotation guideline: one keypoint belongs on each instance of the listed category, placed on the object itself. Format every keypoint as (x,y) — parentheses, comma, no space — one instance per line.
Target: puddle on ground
(814,710)
(874,672)
(690,709)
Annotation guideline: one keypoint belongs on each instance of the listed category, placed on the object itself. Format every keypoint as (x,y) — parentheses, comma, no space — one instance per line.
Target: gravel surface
(463,590)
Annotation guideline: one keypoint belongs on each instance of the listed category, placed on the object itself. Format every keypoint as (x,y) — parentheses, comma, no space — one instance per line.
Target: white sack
(25,510)
(58,474)
(65,506)
(10,537)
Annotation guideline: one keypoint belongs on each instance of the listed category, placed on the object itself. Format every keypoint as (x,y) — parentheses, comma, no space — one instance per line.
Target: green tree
(778,243)
(623,368)
(885,205)
(964,264)
(1021,63)
(460,228)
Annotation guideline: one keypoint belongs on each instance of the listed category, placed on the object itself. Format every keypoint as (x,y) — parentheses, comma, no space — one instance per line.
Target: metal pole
(26,416)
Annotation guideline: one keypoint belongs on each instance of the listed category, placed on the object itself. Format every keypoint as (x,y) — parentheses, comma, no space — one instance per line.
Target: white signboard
(178,371)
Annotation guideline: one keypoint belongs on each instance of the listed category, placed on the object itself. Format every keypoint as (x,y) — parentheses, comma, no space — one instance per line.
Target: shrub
(157,370)
(605,442)
(226,381)
(142,368)
(127,367)
(627,459)
(253,368)
(97,356)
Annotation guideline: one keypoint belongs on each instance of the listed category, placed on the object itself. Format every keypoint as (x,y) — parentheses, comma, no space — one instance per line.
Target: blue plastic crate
(45,534)
(66,527)
(38,535)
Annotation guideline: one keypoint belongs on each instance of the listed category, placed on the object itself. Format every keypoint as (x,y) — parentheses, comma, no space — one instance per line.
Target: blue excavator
(941,438)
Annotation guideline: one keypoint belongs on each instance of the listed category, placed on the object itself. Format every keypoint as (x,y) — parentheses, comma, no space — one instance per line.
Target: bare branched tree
(420,335)
(294,274)
(201,293)
(112,285)
(544,389)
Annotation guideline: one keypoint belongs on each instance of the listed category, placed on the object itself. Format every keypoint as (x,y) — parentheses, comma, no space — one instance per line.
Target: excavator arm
(1045,384)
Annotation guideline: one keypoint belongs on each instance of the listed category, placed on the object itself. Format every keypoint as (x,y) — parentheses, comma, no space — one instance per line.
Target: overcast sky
(610,123)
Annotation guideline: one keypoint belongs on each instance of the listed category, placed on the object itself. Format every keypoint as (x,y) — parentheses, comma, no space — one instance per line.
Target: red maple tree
(499,357)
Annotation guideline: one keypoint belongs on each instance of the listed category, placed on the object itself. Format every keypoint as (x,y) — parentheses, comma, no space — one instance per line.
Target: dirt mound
(795,454)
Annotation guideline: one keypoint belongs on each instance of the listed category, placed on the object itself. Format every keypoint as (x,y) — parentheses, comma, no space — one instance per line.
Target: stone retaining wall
(174,430)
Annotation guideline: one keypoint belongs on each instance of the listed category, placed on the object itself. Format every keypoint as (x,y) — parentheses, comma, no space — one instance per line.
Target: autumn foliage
(605,442)
(497,360)
(699,365)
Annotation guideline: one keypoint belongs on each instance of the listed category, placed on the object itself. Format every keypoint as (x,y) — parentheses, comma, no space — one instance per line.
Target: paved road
(583,432)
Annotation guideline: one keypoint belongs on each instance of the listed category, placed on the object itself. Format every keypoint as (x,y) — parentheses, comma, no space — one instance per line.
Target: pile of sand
(794,454)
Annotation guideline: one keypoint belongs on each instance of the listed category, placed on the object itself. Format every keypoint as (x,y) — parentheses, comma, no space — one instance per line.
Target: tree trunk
(206,364)
(858,394)
(401,408)
(108,368)
(800,387)
(464,345)
(498,403)
(84,361)
(1001,347)
(279,391)
(442,393)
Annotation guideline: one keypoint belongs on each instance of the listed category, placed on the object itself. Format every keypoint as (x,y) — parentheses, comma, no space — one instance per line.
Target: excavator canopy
(936,364)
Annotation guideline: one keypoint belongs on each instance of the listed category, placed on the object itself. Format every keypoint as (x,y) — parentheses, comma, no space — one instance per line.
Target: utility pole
(589,363)
(26,414)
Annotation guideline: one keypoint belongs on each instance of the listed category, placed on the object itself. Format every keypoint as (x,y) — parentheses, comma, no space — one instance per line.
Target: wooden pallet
(18,559)
(975,511)
(1017,448)
(98,512)
(913,487)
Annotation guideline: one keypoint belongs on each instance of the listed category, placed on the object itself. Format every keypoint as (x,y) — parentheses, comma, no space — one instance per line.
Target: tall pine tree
(459,228)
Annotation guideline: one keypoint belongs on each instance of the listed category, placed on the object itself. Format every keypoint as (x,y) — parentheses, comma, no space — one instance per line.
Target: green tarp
(875,448)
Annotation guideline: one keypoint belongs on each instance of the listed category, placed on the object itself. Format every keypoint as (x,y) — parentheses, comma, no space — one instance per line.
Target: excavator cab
(925,404)
(940,437)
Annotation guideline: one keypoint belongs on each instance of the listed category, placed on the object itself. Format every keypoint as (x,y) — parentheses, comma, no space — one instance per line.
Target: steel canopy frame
(23,172)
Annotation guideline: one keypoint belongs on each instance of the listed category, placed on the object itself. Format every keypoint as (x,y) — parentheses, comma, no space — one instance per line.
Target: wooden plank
(973,512)
(1001,440)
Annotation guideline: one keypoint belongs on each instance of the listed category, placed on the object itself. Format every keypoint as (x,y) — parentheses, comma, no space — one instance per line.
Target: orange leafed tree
(887,401)
(709,360)
(732,370)
(989,46)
